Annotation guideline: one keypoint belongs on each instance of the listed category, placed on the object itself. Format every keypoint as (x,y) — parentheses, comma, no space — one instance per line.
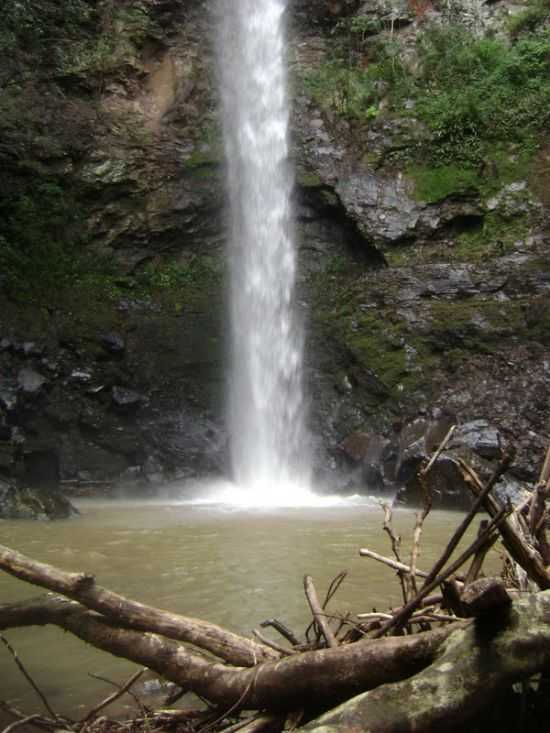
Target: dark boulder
(445,482)
(371,458)
(480,437)
(113,343)
(476,442)
(127,399)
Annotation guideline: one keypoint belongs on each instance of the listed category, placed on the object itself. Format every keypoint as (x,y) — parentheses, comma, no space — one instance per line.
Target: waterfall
(269,444)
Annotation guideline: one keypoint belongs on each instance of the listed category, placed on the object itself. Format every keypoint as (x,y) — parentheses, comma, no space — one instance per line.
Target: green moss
(307,178)
(433,184)
(374,353)
(473,325)
(537,316)
(378,341)
(202,158)
(496,237)
(40,27)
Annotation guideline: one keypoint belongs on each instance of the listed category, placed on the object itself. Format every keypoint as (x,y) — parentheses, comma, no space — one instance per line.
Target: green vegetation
(189,276)
(473,325)
(72,37)
(474,93)
(476,97)
(537,317)
(39,239)
(436,183)
(356,92)
(124,31)
(31,25)
(381,344)
(404,357)
(496,237)
(41,31)
(44,255)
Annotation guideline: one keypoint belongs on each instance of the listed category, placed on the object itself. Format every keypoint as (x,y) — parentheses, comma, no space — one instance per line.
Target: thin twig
(233,708)
(374,616)
(18,723)
(115,696)
(144,709)
(334,586)
(283,630)
(317,611)
(29,679)
(272,644)
(254,724)
(514,532)
(241,724)
(399,566)
(463,526)
(440,450)
(395,540)
(332,589)
(479,557)
(38,722)
(432,618)
(403,616)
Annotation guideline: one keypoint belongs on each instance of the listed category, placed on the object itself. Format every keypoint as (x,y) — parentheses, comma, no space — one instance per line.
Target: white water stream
(270,456)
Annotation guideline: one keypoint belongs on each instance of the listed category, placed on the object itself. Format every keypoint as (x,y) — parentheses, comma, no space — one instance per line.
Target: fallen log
(81,587)
(471,669)
(327,675)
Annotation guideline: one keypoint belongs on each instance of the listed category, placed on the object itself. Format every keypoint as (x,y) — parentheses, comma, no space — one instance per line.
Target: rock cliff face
(424,272)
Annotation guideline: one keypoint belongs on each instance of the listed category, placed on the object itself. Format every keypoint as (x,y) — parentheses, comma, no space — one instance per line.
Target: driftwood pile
(458,641)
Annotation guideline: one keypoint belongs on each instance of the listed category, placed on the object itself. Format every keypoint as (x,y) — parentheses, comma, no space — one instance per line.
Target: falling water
(269,444)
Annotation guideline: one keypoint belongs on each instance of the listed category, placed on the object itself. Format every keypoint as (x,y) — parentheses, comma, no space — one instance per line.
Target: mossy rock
(537,316)
(33,503)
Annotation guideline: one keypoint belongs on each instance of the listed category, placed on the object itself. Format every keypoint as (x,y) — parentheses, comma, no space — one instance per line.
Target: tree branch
(81,587)
(330,675)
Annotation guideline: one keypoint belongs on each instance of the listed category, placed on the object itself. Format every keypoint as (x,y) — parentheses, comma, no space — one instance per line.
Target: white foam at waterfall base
(267,496)
(272,495)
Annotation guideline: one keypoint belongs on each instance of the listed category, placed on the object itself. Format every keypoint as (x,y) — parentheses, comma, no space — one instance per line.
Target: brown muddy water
(232,567)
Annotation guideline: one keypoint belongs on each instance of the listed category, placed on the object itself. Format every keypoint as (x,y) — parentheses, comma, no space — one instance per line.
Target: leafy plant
(471,93)
(475,92)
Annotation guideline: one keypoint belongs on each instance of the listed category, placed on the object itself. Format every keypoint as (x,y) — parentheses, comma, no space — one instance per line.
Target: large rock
(477,442)
(33,503)
(113,343)
(480,437)
(445,483)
